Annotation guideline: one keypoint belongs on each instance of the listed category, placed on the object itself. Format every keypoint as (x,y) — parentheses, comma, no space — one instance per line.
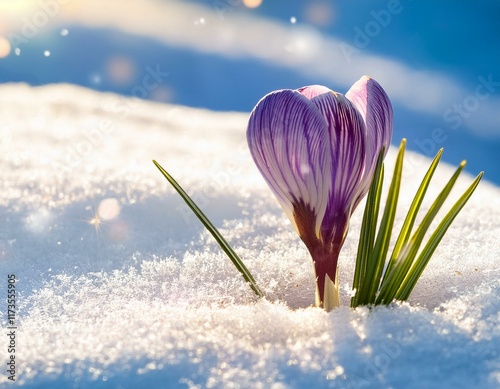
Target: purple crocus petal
(289,142)
(374,105)
(313,91)
(347,148)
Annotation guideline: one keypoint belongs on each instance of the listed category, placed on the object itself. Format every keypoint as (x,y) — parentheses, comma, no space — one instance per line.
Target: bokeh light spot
(200,22)
(4,47)
(320,13)
(305,43)
(64,32)
(163,94)
(293,20)
(120,70)
(109,209)
(46,53)
(252,3)
(95,78)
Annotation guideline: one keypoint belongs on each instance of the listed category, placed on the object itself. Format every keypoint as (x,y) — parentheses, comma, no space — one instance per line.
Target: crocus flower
(317,150)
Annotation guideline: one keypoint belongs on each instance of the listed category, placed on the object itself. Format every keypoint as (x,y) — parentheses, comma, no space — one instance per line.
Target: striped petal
(374,105)
(289,142)
(317,150)
(313,91)
(347,148)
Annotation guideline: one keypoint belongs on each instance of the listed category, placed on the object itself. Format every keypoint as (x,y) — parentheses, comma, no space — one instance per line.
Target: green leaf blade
(377,258)
(405,250)
(238,263)
(423,259)
(368,228)
(398,273)
(413,211)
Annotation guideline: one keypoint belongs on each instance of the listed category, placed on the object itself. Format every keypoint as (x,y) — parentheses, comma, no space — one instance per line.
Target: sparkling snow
(120,286)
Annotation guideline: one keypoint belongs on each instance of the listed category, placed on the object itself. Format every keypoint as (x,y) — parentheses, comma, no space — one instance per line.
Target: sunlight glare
(13,7)
(95,221)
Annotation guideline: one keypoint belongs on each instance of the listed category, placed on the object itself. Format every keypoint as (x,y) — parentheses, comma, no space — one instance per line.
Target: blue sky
(439,62)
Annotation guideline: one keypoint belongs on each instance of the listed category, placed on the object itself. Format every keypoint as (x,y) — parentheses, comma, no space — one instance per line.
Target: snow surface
(121,287)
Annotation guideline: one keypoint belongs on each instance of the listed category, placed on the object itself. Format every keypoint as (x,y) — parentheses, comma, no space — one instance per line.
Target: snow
(120,286)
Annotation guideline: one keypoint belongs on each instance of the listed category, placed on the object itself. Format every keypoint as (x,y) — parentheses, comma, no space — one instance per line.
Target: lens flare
(252,3)
(4,47)
(108,209)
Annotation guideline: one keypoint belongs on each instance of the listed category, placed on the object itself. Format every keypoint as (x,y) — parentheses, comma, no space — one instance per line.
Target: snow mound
(119,286)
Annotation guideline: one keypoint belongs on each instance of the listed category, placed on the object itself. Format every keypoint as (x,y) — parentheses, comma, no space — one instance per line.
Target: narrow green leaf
(377,258)
(368,227)
(406,259)
(215,233)
(404,235)
(424,257)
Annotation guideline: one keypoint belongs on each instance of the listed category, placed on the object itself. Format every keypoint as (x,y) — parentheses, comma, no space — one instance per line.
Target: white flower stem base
(331,295)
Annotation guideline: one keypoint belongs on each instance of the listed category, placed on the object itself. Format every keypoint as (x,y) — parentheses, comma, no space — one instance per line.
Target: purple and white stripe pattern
(317,150)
